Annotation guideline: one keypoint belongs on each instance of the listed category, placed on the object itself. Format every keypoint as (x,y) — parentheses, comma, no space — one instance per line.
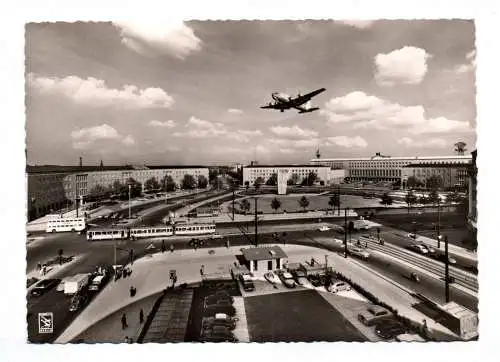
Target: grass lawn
(290,203)
(302,316)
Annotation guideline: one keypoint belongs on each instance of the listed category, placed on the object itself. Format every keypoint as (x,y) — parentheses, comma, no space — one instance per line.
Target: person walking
(141,316)
(124,321)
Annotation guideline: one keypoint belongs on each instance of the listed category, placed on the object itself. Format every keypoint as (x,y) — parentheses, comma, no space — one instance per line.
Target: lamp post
(345,233)
(446,270)
(256,241)
(129,210)
(439,225)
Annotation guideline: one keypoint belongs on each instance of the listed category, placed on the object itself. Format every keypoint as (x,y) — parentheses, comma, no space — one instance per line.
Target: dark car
(78,302)
(218,308)
(209,303)
(213,299)
(218,338)
(44,286)
(248,285)
(389,330)
(230,324)
(216,330)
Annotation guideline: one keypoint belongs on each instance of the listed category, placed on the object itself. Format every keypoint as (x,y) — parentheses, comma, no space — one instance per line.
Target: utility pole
(345,233)
(114,268)
(446,270)
(76,203)
(256,241)
(439,224)
(233,202)
(326,263)
(129,211)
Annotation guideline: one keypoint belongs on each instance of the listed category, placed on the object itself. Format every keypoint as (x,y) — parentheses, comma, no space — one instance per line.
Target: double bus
(63,224)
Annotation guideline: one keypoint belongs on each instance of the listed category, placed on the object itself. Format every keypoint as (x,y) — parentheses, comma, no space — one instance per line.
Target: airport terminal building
(381,168)
(52,188)
(324,174)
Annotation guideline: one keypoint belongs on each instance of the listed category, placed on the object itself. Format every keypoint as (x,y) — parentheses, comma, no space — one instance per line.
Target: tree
(434,197)
(258,182)
(212,174)
(135,188)
(435,182)
(117,187)
(188,182)
(460,148)
(310,179)
(413,182)
(151,184)
(350,229)
(275,204)
(410,199)
(334,201)
(453,197)
(273,180)
(169,184)
(304,203)
(424,200)
(386,199)
(247,185)
(293,180)
(202,182)
(245,205)
(98,191)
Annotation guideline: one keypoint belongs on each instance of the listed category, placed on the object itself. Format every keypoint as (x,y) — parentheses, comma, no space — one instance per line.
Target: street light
(439,224)
(129,211)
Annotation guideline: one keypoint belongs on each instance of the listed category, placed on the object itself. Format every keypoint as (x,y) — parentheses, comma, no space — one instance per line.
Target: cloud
(360,24)
(95,92)
(235,111)
(288,143)
(84,138)
(293,132)
(128,141)
(348,142)
(433,142)
(256,132)
(200,128)
(470,65)
(370,112)
(407,65)
(167,124)
(173,38)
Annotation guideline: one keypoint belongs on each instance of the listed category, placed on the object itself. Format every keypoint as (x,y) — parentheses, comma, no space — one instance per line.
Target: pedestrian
(425,328)
(126,339)
(124,321)
(202,269)
(141,316)
(131,291)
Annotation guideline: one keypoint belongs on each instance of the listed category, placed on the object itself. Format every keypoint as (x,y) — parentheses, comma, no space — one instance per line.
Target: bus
(63,224)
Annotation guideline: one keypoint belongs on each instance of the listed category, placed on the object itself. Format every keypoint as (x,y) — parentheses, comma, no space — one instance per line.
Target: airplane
(302,102)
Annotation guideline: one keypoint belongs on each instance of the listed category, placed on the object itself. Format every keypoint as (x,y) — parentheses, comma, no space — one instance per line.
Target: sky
(190,92)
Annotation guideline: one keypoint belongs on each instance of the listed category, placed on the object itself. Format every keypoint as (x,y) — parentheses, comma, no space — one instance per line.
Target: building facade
(473,193)
(324,174)
(51,190)
(453,175)
(380,168)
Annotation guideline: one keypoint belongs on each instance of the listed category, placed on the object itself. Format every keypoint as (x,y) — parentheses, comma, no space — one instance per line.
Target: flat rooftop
(263,253)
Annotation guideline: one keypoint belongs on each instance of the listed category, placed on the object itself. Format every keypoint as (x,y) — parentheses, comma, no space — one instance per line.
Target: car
(324,228)
(419,249)
(218,338)
(271,277)
(389,331)
(247,282)
(222,293)
(98,282)
(230,324)
(338,286)
(217,302)
(442,257)
(219,308)
(44,286)
(408,337)
(301,278)
(430,249)
(216,236)
(373,314)
(287,279)
(359,253)
(78,302)
(412,236)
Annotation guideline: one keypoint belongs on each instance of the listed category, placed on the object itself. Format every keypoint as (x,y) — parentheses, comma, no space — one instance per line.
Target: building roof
(287,166)
(263,253)
(74,169)
(395,158)
(439,165)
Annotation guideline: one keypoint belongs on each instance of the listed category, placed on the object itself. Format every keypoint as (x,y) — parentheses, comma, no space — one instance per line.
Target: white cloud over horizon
(84,138)
(169,37)
(235,111)
(347,142)
(166,124)
(360,24)
(95,92)
(293,132)
(433,142)
(407,65)
(470,58)
(365,111)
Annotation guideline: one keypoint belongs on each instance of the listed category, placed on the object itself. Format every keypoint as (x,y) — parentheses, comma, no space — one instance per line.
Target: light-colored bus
(62,224)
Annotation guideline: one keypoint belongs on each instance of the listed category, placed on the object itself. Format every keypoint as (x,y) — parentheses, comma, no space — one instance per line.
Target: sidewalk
(150,275)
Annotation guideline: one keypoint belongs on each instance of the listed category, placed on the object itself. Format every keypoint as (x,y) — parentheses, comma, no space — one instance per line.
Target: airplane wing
(304,98)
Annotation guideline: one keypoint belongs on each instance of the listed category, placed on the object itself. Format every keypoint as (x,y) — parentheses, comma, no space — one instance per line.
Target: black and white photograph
(251,181)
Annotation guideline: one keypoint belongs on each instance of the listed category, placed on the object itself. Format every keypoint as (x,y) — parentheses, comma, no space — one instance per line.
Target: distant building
(262,259)
(324,174)
(452,174)
(381,168)
(473,193)
(51,188)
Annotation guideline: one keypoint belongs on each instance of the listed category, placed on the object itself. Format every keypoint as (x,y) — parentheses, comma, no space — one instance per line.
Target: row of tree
(150,185)
(309,180)
(334,201)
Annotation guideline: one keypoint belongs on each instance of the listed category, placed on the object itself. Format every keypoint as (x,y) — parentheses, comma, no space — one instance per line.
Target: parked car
(412,236)
(359,253)
(247,282)
(301,278)
(222,293)
(408,337)
(98,282)
(271,277)
(442,257)
(211,302)
(216,330)
(324,228)
(218,338)
(389,330)
(373,314)
(430,249)
(219,308)
(287,279)
(78,302)
(338,286)
(230,324)
(418,249)
(44,286)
